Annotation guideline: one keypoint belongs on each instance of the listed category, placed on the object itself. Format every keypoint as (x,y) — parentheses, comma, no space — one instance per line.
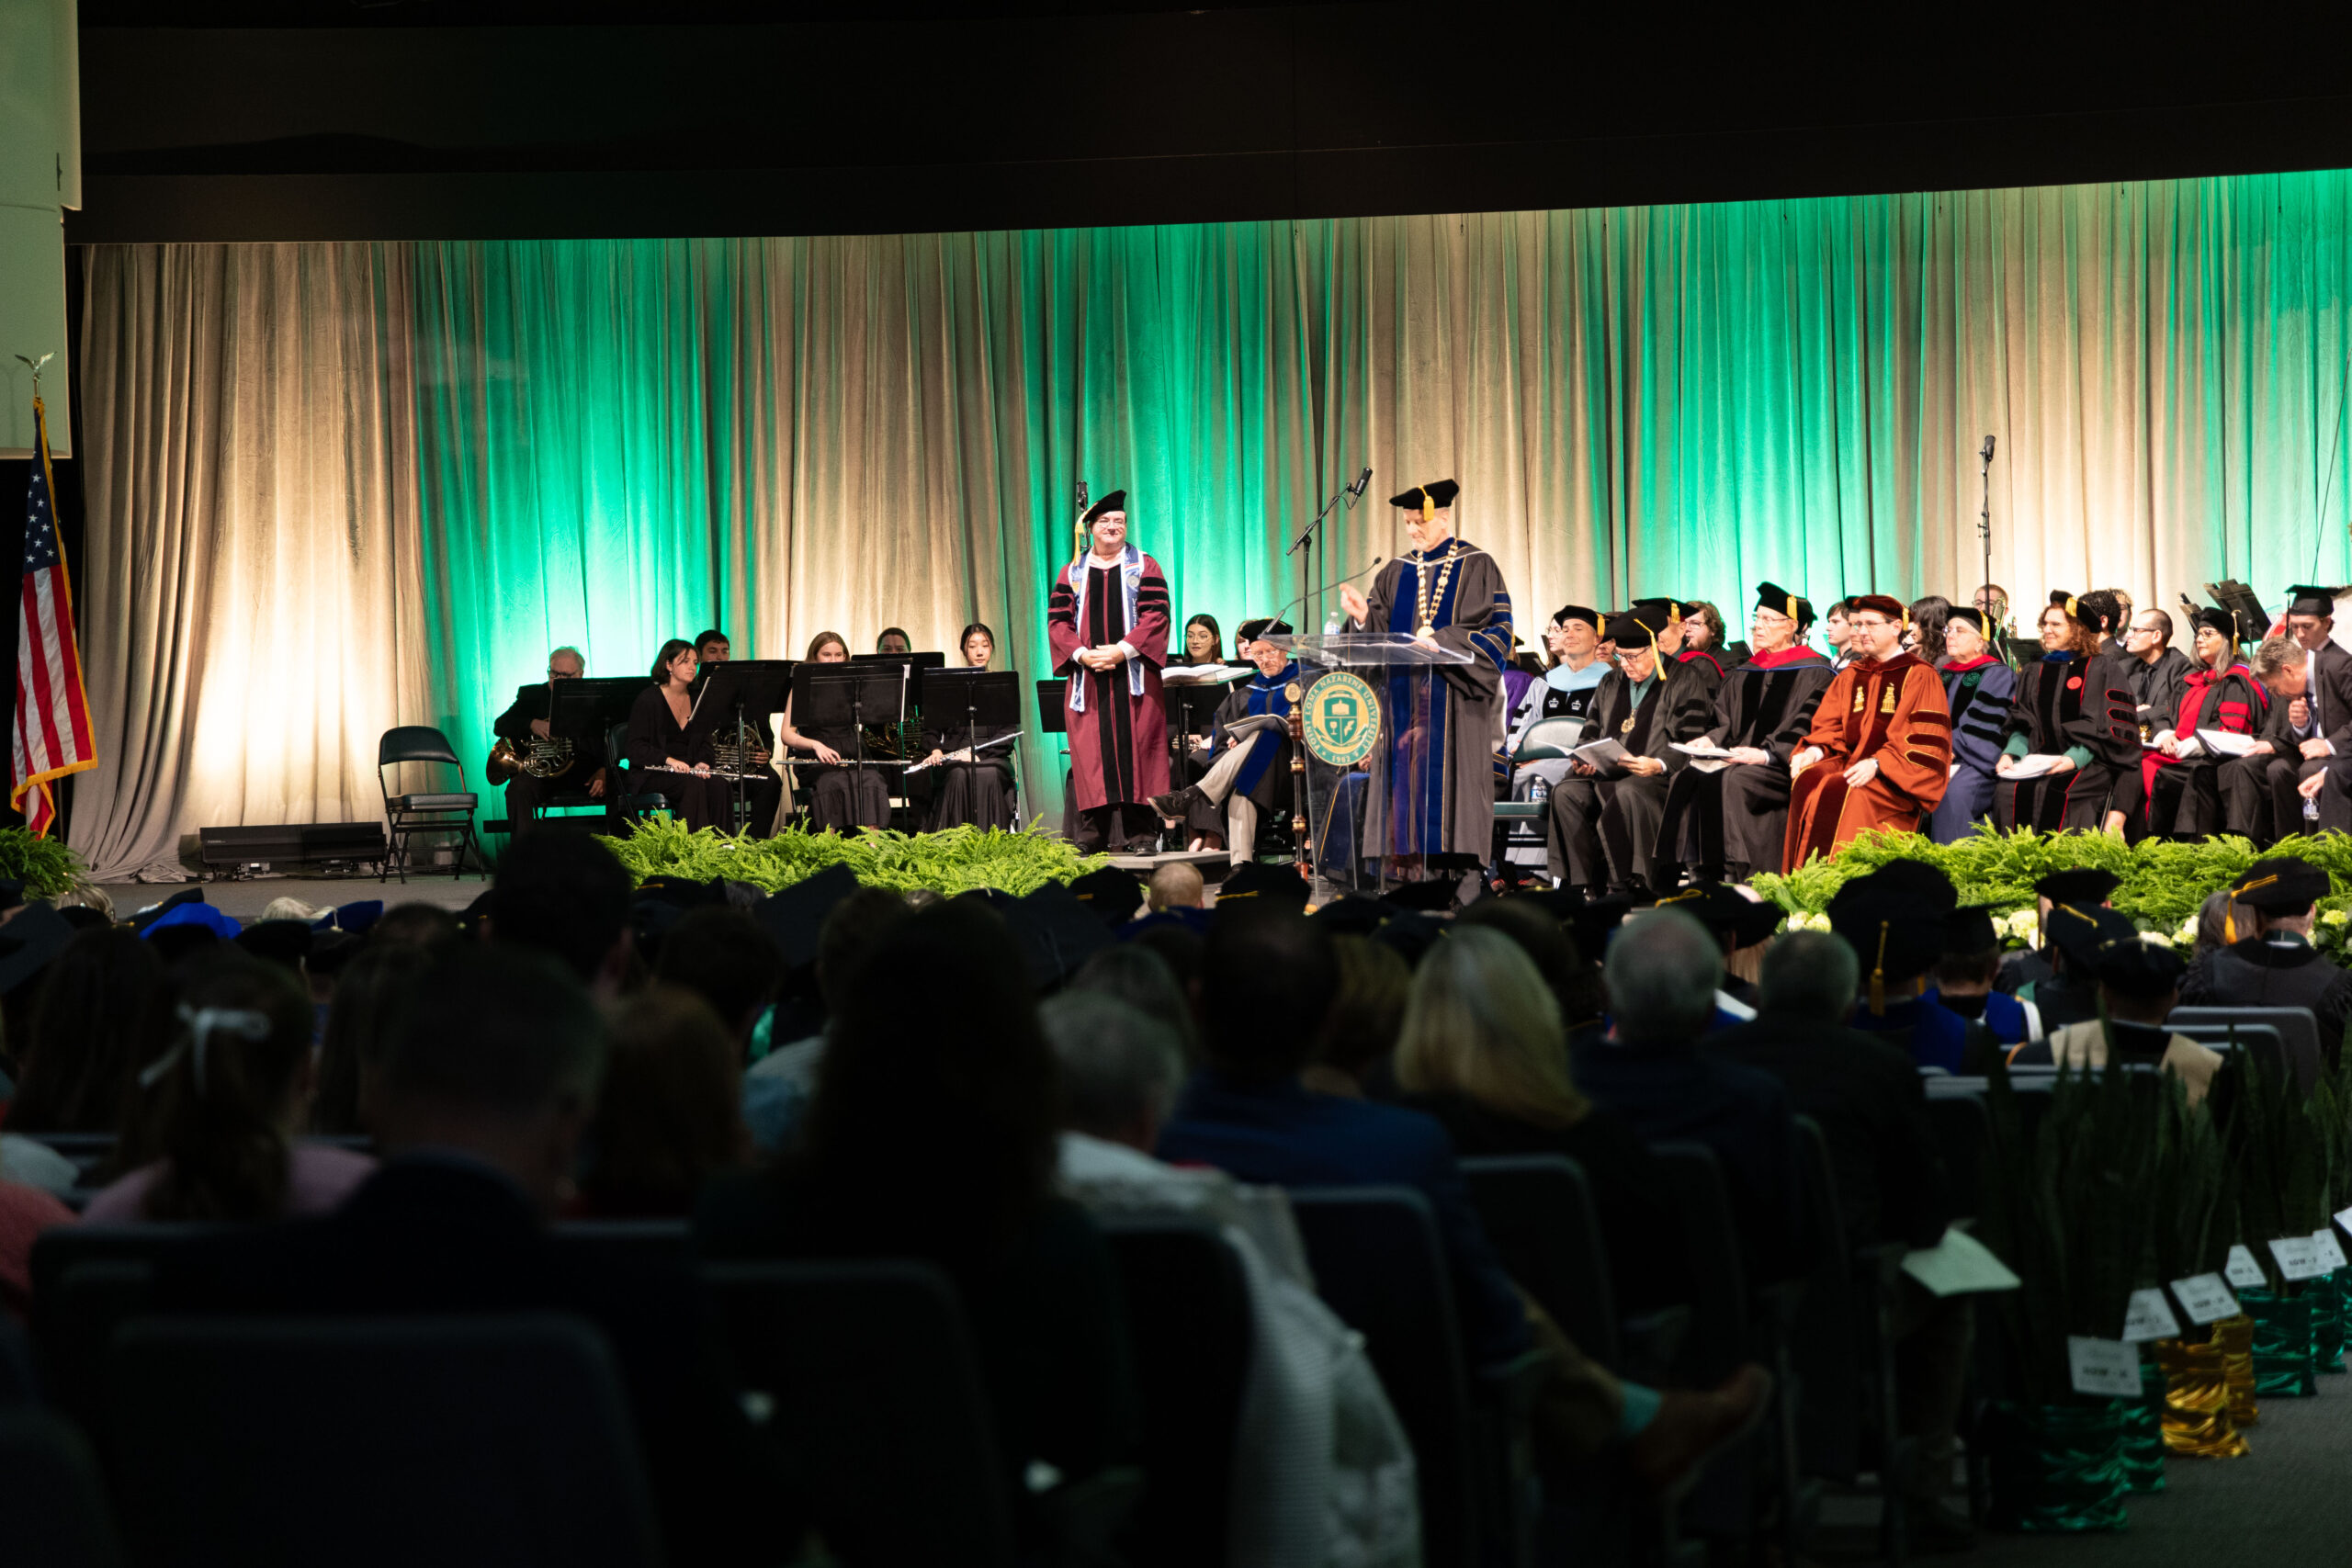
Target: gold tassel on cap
(1877,975)
(1428,505)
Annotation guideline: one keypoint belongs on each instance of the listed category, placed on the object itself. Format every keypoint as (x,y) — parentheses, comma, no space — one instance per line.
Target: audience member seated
(359,1033)
(2022,973)
(2221,921)
(1140,977)
(1354,1054)
(2139,985)
(936,1139)
(777,1086)
(669,1120)
(564,894)
(221,1106)
(1891,1182)
(94,1025)
(1321,1471)
(1267,982)
(2277,966)
(414,925)
(490,1085)
(1481,1049)
(25,1212)
(723,956)
(1527,920)
(1663,971)
(1177,886)
(1964,978)
(1894,919)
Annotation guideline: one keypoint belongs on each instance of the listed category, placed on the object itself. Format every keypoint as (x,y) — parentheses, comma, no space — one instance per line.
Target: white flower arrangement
(2155,939)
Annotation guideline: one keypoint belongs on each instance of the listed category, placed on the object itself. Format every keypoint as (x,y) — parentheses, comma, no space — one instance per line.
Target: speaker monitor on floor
(291,843)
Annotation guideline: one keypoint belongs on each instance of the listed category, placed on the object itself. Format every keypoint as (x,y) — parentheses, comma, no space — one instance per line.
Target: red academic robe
(1118,726)
(1893,710)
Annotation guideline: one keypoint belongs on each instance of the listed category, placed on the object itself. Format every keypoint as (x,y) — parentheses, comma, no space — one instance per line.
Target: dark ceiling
(286,120)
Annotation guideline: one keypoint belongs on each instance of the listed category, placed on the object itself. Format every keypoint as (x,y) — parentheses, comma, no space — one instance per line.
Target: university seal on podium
(1341,720)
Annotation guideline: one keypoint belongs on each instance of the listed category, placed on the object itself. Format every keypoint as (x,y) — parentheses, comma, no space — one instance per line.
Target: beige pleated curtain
(333,488)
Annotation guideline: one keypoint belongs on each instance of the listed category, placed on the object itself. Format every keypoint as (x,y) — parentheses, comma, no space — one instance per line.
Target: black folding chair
(50,1494)
(1964,1131)
(87,1280)
(624,1241)
(450,1440)
(2300,1045)
(1378,1265)
(1189,1326)
(1841,1351)
(871,1363)
(407,815)
(1526,824)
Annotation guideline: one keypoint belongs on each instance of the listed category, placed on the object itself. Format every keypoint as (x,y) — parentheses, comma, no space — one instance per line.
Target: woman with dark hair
(1978,688)
(2180,777)
(222,1104)
(940,1145)
(669,1114)
(669,744)
(979,792)
(1926,636)
(2075,710)
(358,1035)
(842,795)
(93,1026)
(1204,640)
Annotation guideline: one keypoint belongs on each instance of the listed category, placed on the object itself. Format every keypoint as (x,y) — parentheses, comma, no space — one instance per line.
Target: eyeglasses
(555,674)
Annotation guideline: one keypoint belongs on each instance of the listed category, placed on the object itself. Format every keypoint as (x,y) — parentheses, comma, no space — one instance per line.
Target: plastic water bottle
(1333,625)
(1539,789)
(2311,812)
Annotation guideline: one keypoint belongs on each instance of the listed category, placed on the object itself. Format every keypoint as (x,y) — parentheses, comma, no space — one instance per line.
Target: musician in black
(753,753)
(531,742)
(842,795)
(669,743)
(980,791)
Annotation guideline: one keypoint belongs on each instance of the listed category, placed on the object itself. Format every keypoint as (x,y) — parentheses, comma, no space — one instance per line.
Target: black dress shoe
(1177,803)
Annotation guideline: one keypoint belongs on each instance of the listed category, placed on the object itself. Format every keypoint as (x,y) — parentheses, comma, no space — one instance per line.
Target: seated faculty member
(1879,753)
(1604,820)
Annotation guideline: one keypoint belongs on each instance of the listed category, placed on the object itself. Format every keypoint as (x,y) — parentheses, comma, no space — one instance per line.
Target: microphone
(1362,479)
(1083,502)
(1986,453)
(1314,593)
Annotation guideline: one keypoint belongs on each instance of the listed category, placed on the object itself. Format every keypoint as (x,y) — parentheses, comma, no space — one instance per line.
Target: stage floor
(246,900)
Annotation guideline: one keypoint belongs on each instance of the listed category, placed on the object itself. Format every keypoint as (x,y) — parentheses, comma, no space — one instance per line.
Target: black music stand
(974,700)
(915,663)
(596,706)
(732,694)
(1053,718)
(852,694)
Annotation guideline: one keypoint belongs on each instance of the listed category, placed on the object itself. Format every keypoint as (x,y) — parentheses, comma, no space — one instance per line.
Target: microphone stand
(1995,635)
(1312,567)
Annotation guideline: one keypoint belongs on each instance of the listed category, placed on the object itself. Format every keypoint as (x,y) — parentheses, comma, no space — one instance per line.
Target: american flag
(53,713)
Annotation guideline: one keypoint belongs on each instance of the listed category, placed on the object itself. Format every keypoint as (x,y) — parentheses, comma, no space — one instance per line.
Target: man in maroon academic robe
(1108,622)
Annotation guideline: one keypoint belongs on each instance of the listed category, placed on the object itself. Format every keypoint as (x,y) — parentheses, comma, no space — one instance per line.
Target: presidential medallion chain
(1425,599)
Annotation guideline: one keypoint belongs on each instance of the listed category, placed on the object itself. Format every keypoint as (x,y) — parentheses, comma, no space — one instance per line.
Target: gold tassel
(1878,975)
(1428,506)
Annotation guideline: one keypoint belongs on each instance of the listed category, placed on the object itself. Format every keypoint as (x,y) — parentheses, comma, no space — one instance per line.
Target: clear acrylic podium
(1371,797)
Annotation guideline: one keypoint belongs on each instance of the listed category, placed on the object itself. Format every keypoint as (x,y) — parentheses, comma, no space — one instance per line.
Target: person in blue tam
(1250,736)
(1964,976)
(1893,920)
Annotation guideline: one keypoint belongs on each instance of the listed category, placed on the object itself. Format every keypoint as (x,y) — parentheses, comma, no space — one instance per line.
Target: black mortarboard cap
(1355,915)
(1969,929)
(2308,599)
(1439,493)
(2079,932)
(1255,879)
(39,933)
(1632,631)
(1586,614)
(1114,501)
(1058,934)
(1411,934)
(1109,894)
(795,916)
(1669,610)
(1736,920)
(153,912)
(1780,601)
(1893,920)
(283,942)
(2081,885)
(1251,631)
(1594,922)
(2281,885)
(2218,619)
(2138,968)
(1435,894)
(1966,617)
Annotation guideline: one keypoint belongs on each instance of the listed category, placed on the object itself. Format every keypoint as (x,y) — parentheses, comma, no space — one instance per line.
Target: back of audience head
(414,925)
(1809,976)
(1141,978)
(498,1052)
(1966,974)
(220,1105)
(669,1114)
(2222,920)
(1268,975)
(1663,972)
(1120,1066)
(938,1133)
(722,956)
(1482,1024)
(565,895)
(1177,887)
(1574,982)
(94,1025)
(854,927)
(370,1000)
(1358,1031)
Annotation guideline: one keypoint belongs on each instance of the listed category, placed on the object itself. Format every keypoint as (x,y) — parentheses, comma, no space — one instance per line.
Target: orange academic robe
(1893,710)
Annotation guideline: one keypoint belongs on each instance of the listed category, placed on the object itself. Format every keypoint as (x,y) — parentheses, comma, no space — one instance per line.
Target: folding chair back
(1538,1212)
(50,1494)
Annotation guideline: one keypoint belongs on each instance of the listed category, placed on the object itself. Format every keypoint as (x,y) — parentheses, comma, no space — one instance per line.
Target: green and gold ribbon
(2057,1469)
(2282,1344)
(2197,1400)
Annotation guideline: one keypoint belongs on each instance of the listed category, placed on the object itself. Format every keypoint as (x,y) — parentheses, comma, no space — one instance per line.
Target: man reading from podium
(1879,753)
(1251,773)
(1107,622)
(1433,777)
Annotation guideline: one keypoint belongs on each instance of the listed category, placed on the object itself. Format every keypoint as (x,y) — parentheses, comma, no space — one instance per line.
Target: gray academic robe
(1456,812)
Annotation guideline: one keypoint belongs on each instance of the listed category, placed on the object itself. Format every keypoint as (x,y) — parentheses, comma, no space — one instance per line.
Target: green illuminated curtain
(423,466)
